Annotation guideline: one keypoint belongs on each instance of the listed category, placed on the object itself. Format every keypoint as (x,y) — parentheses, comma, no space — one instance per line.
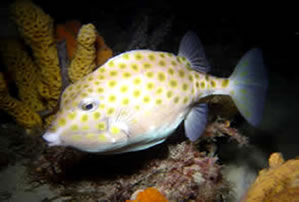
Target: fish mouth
(52,138)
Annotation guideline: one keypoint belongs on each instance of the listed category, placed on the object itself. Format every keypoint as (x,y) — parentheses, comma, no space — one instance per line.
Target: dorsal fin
(192,49)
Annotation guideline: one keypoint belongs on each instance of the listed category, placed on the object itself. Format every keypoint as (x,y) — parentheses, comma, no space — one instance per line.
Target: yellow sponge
(84,62)
(23,114)
(24,72)
(36,28)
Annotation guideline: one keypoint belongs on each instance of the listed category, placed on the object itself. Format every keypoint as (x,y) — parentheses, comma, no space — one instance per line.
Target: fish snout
(52,138)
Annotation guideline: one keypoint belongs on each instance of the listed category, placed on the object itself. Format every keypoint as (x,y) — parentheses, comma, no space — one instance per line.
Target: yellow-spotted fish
(137,99)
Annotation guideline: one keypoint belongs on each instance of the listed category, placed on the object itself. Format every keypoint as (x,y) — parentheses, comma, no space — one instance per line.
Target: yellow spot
(102,106)
(162,55)
(138,56)
(224,83)
(126,74)
(159,90)
(147,65)
(137,107)
(102,137)
(89,79)
(136,93)
(202,84)
(101,77)
(113,73)
(185,87)
(146,99)
(84,118)
(173,63)
(96,115)
(112,98)
(150,85)
(74,127)
(151,57)
(100,90)
(112,83)
(90,136)
(135,67)
(122,65)
(161,76)
(111,64)
(188,65)
(159,101)
(190,77)
(181,73)
(197,84)
(173,83)
(101,126)
(83,95)
(213,83)
(86,127)
(110,111)
(114,130)
(72,115)
(149,74)
(169,94)
(89,90)
(170,71)
(176,99)
(102,70)
(207,77)
(76,137)
(162,63)
(61,122)
(137,81)
(178,59)
(170,55)
(126,56)
(125,101)
(185,100)
(124,89)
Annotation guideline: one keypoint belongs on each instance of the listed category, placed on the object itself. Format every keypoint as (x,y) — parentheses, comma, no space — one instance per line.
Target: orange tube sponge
(36,28)
(103,51)
(83,62)
(148,195)
(24,71)
(68,32)
(277,183)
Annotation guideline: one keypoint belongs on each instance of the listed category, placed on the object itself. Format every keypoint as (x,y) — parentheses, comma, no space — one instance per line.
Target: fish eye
(88,104)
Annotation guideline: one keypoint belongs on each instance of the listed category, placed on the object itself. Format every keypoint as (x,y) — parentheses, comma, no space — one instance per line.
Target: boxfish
(138,98)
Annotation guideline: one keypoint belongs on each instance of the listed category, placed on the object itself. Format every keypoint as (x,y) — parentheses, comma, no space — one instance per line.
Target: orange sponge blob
(150,194)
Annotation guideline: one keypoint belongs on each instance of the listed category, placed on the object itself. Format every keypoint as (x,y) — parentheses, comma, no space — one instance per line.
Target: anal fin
(196,121)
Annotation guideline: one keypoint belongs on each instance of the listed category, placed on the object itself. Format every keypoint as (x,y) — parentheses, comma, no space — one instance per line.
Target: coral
(36,28)
(279,182)
(180,172)
(23,71)
(22,113)
(83,62)
(148,195)
(69,31)
(40,74)
(91,51)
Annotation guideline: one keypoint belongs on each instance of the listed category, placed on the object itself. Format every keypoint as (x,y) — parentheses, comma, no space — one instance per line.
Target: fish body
(137,99)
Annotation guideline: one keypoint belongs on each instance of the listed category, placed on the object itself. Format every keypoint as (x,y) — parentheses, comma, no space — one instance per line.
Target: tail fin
(248,85)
